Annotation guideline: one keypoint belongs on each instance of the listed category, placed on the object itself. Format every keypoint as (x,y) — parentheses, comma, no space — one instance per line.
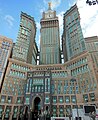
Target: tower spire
(49,4)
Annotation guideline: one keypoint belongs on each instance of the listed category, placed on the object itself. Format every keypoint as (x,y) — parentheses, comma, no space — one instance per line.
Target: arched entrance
(37,105)
(36,108)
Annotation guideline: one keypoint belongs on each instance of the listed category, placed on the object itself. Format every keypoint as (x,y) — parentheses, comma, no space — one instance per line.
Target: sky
(10,11)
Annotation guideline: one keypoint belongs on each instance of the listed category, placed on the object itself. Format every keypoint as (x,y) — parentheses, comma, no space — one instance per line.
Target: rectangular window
(8,110)
(73,99)
(67,99)
(3,99)
(15,112)
(18,100)
(54,99)
(47,99)
(85,98)
(92,96)
(61,99)
(9,99)
(27,100)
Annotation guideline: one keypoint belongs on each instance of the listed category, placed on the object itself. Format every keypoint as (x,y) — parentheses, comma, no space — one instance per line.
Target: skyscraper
(24,55)
(73,36)
(50,39)
(25,48)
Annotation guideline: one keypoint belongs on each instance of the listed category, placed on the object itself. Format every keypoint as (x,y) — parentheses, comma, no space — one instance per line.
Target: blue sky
(10,15)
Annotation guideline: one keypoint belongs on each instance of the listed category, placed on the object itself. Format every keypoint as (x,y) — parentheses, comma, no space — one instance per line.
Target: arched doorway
(36,108)
(37,105)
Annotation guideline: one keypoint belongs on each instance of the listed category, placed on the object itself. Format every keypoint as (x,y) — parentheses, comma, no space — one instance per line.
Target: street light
(74,80)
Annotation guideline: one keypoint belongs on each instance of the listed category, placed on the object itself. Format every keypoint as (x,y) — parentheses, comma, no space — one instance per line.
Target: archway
(36,108)
(37,105)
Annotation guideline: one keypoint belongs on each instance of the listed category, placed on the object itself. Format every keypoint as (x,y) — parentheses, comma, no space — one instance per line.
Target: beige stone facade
(84,89)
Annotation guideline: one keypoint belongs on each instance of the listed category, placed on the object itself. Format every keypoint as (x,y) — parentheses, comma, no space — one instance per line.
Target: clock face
(49,15)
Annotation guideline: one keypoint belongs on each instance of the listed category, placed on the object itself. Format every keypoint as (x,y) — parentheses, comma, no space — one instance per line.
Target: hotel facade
(52,87)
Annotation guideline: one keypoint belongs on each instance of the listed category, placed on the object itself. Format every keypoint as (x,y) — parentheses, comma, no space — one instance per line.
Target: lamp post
(74,80)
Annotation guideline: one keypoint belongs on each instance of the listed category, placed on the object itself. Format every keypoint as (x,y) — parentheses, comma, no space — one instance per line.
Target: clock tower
(50,39)
(50,13)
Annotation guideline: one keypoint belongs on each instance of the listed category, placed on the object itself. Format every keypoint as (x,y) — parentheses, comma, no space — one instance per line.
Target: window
(61,99)
(54,99)
(1,110)
(23,31)
(54,108)
(68,110)
(3,99)
(65,89)
(9,99)
(15,112)
(47,99)
(18,100)
(8,110)
(54,111)
(39,88)
(35,88)
(27,100)
(92,96)
(85,98)
(73,99)
(61,109)
(67,99)
(42,88)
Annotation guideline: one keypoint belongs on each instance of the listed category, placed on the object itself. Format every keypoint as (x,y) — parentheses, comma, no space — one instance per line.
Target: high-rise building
(5,53)
(50,38)
(51,88)
(24,55)
(74,43)
(25,48)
